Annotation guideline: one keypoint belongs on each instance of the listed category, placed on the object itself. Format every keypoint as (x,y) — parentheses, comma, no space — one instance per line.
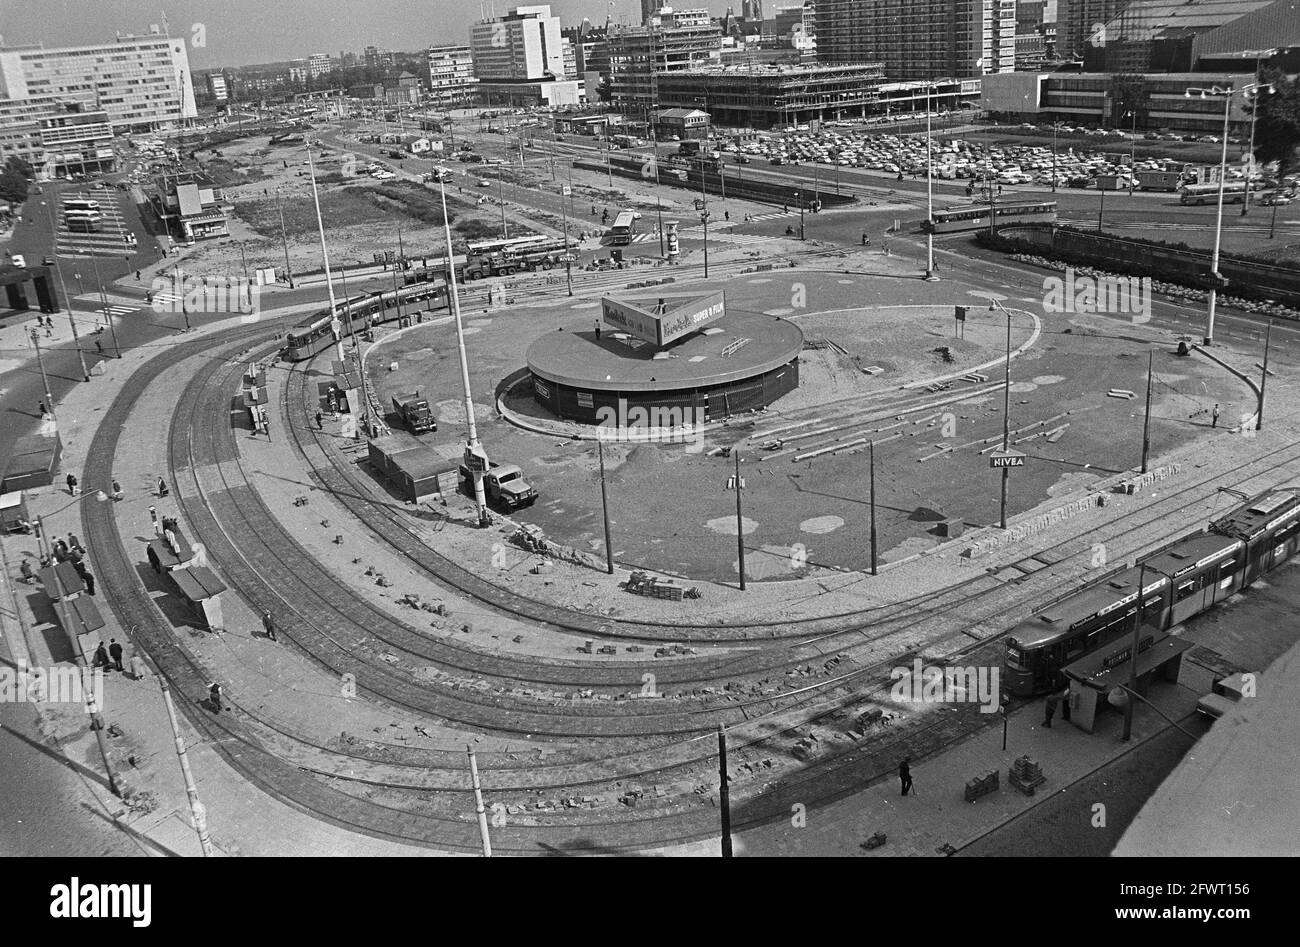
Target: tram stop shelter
(202,590)
(31,463)
(1093,677)
(346,387)
(164,558)
(13,512)
(74,610)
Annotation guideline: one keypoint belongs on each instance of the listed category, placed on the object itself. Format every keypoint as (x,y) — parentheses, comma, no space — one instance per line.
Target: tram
(1181,581)
(314,334)
(976,216)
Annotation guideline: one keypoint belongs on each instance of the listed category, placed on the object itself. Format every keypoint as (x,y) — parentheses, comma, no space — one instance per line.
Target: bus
(976,216)
(620,235)
(1234,192)
(76,203)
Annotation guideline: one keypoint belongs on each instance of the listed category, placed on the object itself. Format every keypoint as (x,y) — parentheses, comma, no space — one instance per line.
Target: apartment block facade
(919,39)
(522,46)
(670,42)
(451,74)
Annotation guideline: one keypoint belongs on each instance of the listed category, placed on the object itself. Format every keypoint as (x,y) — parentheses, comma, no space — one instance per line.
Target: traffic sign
(566,190)
(1011,458)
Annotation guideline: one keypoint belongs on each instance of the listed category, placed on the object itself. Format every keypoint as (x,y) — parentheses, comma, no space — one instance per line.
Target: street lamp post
(1215,277)
(1250,148)
(284,240)
(49,398)
(325,254)
(103,302)
(63,287)
(994,305)
(1132,153)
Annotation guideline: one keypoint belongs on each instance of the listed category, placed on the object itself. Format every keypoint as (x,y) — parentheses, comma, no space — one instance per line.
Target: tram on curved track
(313,334)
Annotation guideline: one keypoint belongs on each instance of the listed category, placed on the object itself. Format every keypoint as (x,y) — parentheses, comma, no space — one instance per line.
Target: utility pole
(197,809)
(740,523)
(501,194)
(1263,380)
(478,802)
(1146,424)
(1006,413)
(364,426)
(1101,208)
(724,791)
(568,263)
(871,466)
(103,302)
(929,191)
(49,398)
(284,240)
(604,504)
(1133,657)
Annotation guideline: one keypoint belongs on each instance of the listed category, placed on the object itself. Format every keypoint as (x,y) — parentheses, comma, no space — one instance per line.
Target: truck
(509,262)
(503,484)
(415,413)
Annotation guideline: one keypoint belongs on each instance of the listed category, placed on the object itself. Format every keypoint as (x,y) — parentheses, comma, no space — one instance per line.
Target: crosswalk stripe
(117,310)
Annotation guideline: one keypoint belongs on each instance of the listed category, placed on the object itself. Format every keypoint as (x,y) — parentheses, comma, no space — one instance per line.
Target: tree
(1277,121)
(13,180)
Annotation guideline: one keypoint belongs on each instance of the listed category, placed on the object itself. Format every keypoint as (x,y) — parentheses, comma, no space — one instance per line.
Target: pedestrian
(72,485)
(268,623)
(99,347)
(75,543)
(42,408)
(25,569)
(1065,704)
(89,579)
(726,214)
(999,190)
(905,776)
(320,421)
(214,694)
(137,275)
(785,208)
(115,651)
(138,668)
(117,490)
(60,550)
(597,331)
(1052,701)
(101,657)
(162,487)
(1214,418)
(48,333)
(864,238)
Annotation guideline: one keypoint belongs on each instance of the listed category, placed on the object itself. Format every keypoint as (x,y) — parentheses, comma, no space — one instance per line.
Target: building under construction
(773,95)
(640,56)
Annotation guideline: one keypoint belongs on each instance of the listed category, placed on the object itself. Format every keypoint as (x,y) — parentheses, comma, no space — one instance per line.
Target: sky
(238,32)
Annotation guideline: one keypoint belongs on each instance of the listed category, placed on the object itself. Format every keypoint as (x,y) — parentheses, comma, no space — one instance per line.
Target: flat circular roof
(754,344)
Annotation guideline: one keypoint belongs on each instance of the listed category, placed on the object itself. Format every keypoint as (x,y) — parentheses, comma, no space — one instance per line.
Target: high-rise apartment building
(919,39)
(318,64)
(451,74)
(140,82)
(522,46)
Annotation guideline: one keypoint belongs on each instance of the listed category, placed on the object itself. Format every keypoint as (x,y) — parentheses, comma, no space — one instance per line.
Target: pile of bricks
(642,584)
(982,785)
(1026,775)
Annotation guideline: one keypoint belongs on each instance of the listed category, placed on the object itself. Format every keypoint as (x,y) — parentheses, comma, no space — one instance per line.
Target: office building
(55,138)
(1158,101)
(218,90)
(141,82)
(451,75)
(673,41)
(522,46)
(318,64)
(919,39)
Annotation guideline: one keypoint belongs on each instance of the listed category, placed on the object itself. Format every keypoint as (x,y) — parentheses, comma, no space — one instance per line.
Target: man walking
(1214,417)
(597,331)
(320,421)
(268,623)
(905,776)
(115,652)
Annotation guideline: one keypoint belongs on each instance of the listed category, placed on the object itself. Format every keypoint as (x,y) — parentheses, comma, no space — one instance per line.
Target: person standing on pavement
(100,659)
(162,487)
(25,569)
(1214,417)
(117,490)
(72,485)
(320,421)
(214,694)
(41,408)
(598,331)
(268,623)
(89,578)
(905,776)
(139,670)
(1052,701)
(1065,704)
(115,652)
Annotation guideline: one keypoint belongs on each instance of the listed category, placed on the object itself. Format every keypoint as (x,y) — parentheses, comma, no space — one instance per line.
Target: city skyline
(248,32)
